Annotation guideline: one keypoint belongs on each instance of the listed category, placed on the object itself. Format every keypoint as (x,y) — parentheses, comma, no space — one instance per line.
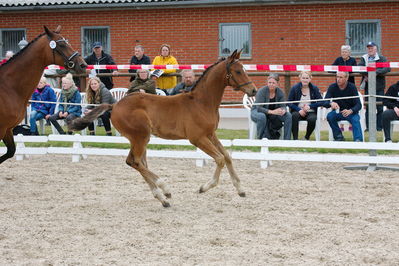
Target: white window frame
(222,38)
(362,46)
(86,46)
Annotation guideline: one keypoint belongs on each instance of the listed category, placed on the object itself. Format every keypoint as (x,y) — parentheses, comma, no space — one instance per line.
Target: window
(360,32)
(95,34)
(235,36)
(9,39)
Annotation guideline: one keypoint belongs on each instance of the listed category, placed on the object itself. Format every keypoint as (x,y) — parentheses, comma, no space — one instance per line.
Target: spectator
(269,118)
(8,55)
(98,57)
(69,94)
(143,83)
(54,82)
(188,82)
(392,111)
(165,83)
(372,56)
(346,60)
(304,110)
(344,109)
(43,92)
(97,93)
(139,58)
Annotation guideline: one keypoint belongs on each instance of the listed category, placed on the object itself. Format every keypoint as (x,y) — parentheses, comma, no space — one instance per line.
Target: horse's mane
(23,50)
(206,71)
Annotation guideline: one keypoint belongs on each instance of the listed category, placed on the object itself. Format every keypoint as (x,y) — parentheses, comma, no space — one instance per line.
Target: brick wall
(289,34)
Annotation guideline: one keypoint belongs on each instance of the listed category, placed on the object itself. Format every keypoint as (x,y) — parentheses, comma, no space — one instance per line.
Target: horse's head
(237,77)
(62,52)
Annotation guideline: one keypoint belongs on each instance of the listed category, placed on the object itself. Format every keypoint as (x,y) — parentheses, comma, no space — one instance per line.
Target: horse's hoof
(201,190)
(166,204)
(168,195)
(242,194)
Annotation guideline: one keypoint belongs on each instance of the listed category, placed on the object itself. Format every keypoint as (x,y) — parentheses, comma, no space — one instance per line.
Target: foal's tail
(83,122)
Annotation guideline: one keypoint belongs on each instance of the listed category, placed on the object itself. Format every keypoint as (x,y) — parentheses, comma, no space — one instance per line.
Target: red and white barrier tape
(319,68)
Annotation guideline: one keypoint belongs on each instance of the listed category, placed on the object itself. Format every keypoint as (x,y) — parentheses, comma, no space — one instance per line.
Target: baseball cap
(96,45)
(371,44)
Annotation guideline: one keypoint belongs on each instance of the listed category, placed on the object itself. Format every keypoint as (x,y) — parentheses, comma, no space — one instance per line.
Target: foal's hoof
(166,204)
(242,194)
(168,195)
(201,190)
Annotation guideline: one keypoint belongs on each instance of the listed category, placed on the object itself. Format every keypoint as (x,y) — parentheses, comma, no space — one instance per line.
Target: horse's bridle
(67,60)
(230,76)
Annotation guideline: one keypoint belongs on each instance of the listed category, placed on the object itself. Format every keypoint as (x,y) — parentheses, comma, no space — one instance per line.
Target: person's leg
(53,120)
(354,119)
(295,124)
(32,122)
(91,129)
(68,120)
(380,110)
(261,122)
(107,124)
(388,116)
(311,118)
(333,117)
(287,120)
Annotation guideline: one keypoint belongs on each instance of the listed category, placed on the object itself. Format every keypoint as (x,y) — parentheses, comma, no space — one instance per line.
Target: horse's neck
(24,72)
(211,87)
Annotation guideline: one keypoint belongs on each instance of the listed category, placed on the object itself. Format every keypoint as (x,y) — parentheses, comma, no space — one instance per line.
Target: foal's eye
(238,72)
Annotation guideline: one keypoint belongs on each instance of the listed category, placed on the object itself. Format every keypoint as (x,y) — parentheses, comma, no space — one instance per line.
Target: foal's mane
(23,50)
(206,71)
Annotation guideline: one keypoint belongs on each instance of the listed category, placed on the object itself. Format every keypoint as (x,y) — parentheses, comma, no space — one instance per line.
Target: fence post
(200,162)
(77,145)
(372,117)
(265,150)
(20,146)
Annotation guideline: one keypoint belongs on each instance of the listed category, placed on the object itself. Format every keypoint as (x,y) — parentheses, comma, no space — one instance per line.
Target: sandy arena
(101,212)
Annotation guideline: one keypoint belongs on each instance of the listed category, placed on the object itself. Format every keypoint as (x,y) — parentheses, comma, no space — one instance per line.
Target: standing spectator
(165,83)
(8,55)
(188,82)
(139,58)
(304,110)
(143,83)
(344,109)
(372,56)
(346,60)
(43,92)
(269,118)
(98,57)
(392,111)
(97,93)
(69,94)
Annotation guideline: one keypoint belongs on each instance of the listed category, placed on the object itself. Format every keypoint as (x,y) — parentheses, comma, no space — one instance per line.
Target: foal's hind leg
(209,148)
(8,140)
(233,175)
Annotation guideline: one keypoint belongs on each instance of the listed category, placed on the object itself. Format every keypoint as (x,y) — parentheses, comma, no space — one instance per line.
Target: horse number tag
(53,44)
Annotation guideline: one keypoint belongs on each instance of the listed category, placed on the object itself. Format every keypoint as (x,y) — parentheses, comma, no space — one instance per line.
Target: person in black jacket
(346,60)
(98,57)
(392,111)
(139,58)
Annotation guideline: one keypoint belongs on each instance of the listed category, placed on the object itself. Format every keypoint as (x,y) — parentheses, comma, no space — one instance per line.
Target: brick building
(270,31)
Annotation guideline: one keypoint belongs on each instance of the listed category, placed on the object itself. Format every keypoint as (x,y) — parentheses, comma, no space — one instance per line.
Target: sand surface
(100,212)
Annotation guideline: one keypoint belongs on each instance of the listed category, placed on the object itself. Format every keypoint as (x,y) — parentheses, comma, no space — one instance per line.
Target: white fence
(265,156)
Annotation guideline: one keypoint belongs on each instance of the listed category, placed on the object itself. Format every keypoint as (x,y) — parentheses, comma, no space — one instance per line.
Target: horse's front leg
(8,140)
(209,148)
(229,163)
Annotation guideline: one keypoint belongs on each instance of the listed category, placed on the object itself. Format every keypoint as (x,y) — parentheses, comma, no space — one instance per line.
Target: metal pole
(372,115)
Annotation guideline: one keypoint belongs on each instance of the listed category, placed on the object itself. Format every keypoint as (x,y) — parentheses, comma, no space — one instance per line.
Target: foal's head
(62,52)
(237,77)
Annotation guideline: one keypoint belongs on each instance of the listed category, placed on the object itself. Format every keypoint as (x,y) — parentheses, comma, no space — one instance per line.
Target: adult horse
(193,116)
(21,74)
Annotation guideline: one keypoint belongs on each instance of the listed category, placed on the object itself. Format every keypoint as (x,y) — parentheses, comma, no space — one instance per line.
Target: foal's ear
(48,32)
(239,53)
(233,55)
(58,29)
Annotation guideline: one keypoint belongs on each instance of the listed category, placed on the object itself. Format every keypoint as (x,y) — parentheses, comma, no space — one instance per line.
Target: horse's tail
(83,122)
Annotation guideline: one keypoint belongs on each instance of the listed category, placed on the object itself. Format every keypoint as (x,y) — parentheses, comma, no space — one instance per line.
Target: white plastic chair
(248,102)
(160,92)
(118,93)
(393,124)
(342,123)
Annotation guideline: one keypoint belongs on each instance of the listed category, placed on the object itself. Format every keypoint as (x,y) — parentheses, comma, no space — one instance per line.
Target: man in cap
(139,58)
(98,57)
(372,56)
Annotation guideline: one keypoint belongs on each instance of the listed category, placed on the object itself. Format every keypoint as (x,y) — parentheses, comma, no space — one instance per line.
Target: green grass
(222,134)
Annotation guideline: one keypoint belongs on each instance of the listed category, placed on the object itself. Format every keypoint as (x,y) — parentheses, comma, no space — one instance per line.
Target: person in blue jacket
(66,110)
(304,91)
(344,109)
(39,110)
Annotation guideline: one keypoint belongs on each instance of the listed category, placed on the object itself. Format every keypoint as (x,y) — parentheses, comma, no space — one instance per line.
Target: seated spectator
(39,111)
(8,55)
(142,83)
(269,118)
(304,110)
(344,109)
(165,83)
(97,93)
(188,82)
(139,58)
(346,60)
(392,111)
(69,94)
